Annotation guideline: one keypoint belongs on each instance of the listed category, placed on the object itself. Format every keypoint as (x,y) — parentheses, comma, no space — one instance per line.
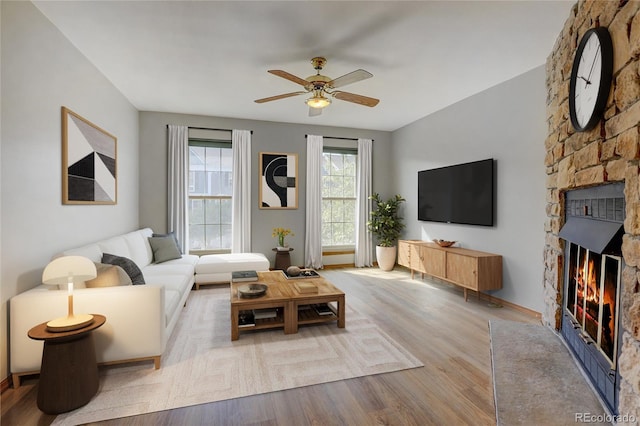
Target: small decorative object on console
(444,243)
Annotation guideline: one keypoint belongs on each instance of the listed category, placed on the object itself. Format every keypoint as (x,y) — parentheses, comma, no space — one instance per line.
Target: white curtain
(313,234)
(178,184)
(241,210)
(364,239)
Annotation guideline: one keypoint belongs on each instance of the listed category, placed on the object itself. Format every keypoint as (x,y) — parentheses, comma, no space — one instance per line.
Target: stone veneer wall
(608,153)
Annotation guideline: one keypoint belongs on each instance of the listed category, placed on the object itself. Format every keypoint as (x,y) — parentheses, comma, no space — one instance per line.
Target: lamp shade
(67,269)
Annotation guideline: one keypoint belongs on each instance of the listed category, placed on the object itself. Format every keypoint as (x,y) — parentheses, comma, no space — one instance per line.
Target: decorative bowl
(444,243)
(252,290)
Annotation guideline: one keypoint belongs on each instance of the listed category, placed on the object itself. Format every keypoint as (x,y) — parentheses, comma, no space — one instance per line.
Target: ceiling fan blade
(275,98)
(314,112)
(290,77)
(356,99)
(352,77)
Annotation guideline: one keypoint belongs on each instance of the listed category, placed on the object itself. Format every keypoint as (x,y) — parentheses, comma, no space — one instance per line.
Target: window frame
(342,248)
(208,143)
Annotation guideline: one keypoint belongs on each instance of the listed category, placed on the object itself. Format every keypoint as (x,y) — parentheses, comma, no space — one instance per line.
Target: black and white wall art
(89,162)
(278,180)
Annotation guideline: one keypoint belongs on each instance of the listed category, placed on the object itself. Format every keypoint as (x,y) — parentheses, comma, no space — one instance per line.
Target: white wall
(267,137)
(507,123)
(42,71)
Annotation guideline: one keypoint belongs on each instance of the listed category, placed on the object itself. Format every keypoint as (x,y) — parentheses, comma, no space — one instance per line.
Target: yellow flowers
(281,233)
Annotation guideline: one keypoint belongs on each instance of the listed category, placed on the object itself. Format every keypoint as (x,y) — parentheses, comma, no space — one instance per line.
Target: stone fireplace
(593,267)
(607,154)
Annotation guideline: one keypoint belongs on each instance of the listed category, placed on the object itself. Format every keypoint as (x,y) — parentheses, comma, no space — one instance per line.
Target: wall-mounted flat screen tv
(462,193)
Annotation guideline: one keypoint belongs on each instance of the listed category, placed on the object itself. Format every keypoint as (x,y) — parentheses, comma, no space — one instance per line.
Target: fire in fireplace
(592,297)
(593,230)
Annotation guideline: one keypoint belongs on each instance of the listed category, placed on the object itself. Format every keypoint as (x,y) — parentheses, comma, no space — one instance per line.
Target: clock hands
(588,82)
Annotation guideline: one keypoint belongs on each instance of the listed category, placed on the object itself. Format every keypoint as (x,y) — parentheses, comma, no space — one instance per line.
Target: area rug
(535,379)
(202,364)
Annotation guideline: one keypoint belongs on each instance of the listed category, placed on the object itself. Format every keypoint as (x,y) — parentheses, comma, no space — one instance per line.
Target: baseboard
(498,301)
(5,384)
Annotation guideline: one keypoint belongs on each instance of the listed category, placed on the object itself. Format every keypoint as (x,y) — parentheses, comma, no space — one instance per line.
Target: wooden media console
(470,269)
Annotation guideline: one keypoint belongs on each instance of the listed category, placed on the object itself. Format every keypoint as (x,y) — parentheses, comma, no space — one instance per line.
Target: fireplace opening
(593,265)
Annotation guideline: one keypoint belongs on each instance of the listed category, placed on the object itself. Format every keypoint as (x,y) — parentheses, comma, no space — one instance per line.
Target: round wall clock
(590,79)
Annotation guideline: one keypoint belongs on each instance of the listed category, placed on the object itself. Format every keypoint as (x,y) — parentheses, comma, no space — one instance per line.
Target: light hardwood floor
(429,318)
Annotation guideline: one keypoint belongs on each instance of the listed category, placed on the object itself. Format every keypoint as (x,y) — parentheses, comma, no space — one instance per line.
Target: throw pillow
(172,235)
(164,248)
(108,276)
(127,264)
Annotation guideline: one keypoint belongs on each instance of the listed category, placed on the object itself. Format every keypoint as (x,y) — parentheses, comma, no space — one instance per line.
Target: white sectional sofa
(140,318)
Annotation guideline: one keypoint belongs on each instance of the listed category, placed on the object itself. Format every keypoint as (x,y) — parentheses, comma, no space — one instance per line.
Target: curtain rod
(210,128)
(336,137)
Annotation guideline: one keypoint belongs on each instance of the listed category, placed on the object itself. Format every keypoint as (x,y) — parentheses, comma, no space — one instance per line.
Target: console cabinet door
(434,261)
(404,257)
(416,258)
(462,270)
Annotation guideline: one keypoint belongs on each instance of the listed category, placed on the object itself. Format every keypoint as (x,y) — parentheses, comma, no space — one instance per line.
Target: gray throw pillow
(164,248)
(108,276)
(127,264)
(172,235)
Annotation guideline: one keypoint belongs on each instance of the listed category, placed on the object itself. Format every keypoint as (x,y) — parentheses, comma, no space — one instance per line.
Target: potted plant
(386,225)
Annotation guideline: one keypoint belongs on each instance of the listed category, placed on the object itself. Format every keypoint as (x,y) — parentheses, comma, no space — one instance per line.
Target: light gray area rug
(535,378)
(202,364)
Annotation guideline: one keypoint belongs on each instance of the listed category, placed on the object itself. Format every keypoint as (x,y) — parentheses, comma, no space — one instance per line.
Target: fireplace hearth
(591,324)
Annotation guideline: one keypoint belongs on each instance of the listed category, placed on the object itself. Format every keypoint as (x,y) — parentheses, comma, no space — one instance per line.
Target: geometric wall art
(278,181)
(89,162)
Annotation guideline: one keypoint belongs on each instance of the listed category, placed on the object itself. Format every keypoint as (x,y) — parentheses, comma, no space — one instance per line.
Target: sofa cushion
(108,276)
(172,235)
(127,264)
(139,249)
(216,263)
(164,249)
(116,245)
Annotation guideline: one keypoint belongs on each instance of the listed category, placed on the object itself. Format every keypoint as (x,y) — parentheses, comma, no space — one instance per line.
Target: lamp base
(69,323)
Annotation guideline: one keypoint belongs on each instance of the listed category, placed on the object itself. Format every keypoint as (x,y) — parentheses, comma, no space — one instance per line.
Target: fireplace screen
(592,297)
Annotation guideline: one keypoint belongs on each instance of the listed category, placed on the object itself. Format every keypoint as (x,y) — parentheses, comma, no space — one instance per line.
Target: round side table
(283,258)
(69,371)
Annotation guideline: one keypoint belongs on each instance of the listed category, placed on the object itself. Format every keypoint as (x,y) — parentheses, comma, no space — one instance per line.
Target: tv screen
(462,193)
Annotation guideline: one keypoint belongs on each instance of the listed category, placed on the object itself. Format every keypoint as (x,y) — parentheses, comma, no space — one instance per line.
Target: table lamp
(69,270)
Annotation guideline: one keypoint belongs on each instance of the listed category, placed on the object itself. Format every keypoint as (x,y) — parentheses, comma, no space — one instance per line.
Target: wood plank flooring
(429,318)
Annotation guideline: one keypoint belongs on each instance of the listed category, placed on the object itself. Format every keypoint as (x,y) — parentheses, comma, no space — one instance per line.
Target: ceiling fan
(319,85)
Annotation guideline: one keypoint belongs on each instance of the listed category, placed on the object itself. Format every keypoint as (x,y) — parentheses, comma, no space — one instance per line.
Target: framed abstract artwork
(89,162)
(278,180)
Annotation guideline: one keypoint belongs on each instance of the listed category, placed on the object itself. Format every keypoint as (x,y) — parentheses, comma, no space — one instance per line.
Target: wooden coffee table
(283,295)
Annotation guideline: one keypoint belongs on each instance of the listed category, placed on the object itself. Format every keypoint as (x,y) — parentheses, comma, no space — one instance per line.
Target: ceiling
(211,57)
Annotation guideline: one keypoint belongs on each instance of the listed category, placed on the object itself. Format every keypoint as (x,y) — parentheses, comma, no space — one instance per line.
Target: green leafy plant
(385,223)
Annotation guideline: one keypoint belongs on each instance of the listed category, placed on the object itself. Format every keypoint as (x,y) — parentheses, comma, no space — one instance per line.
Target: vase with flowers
(281,233)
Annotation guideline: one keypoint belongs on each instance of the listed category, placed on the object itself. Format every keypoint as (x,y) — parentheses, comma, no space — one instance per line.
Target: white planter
(386,257)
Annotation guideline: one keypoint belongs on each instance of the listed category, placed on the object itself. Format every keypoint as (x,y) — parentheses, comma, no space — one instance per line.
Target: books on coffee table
(323,309)
(244,276)
(246,319)
(305,288)
(265,313)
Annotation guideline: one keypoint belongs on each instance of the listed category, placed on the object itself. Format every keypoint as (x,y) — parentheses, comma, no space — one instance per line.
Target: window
(338,197)
(210,190)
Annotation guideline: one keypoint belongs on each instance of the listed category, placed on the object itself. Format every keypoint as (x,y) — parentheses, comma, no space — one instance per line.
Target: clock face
(590,79)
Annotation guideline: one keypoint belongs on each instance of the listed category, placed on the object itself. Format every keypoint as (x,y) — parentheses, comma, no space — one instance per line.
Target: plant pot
(386,257)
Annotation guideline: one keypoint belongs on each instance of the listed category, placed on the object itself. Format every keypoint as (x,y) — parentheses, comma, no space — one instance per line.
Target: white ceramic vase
(386,257)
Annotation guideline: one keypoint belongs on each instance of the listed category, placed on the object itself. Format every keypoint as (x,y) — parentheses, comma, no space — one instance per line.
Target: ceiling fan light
(318,102)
